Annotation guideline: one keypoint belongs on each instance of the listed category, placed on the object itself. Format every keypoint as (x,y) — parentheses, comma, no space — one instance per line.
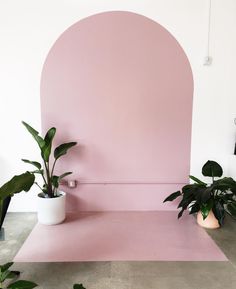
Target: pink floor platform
(116,236)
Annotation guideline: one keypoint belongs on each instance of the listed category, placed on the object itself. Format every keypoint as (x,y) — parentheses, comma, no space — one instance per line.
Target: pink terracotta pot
(210,222)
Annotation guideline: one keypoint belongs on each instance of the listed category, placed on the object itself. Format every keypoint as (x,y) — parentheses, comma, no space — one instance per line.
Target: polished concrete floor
(125,275)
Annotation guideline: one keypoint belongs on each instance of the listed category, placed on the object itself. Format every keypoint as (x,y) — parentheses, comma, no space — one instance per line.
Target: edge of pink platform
(218,255)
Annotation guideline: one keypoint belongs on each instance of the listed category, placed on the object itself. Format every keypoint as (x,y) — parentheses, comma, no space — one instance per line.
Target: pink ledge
(116,236)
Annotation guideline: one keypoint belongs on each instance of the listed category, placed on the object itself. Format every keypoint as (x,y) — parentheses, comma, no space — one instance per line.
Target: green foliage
(36,164)
(219,196)
(50,181)
(22,284)
(16,185)
(78,286)
(173,196)
(8,279)
(231,209)
(212,169)
(62,149)
(35,134)
(6,275)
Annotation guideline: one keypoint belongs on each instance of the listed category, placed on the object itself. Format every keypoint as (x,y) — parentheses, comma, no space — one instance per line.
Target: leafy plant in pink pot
(214,199)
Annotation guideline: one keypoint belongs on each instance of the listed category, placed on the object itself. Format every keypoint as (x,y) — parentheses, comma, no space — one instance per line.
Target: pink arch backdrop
(122,86)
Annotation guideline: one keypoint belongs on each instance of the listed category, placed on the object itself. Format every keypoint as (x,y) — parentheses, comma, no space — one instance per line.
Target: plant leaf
(206,208)
(36,164)
(37,172)
(40,141)
(197,180)
(22,284)
(5,275)
(46,149)
(231,209)
(78,286)
(172,197)
(181,213)
(55,181)
(13,274)
(194,208)
(5,267)
(219,212)
(206,194)
(17,184)
(64,175)
(212,169)
(62,149)
(225,184)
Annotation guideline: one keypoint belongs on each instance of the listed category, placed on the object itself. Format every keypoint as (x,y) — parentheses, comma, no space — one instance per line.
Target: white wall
(28,28)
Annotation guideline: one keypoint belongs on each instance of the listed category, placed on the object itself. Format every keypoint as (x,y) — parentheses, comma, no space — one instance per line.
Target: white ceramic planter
(52,211)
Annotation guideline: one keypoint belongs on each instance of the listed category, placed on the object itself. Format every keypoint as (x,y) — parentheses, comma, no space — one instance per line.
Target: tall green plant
(50,181)
(218,196)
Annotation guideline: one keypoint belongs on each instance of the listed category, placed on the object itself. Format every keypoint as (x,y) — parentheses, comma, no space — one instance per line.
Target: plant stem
(45,182)
(53,167)
(40,189)
(49,185)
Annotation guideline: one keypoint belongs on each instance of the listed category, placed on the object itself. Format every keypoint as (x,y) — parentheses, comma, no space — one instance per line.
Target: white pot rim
(62,195)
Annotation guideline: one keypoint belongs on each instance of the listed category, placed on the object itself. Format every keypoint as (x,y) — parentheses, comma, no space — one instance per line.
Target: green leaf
(185,202)
(55,181)
(5,275)
(212,169)
(231,209)
(40,141)
(17,184)
(197,180)
(36,164)
(172,197)
(206,194)
(219,212)
(192,189)
(5,267)
(225,184)
(62,149)
(13,274)
(195,208)
(206,208)
(198,192)
(78,286)
(22,284)
(181,213)
(37,172)
(46,149)
(64,175)
(1,207)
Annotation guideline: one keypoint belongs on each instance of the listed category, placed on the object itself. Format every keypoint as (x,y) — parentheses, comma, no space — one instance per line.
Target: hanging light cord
(209,28)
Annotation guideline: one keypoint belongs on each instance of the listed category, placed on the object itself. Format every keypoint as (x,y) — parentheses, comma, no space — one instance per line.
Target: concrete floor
(125,275)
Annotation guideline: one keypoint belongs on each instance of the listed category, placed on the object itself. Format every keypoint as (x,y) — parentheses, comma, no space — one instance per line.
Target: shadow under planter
(6,203)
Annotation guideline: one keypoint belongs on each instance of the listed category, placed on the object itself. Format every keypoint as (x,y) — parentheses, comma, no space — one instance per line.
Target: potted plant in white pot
(51,201)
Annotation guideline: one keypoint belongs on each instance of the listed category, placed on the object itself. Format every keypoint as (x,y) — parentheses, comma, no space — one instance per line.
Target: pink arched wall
(122,86)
